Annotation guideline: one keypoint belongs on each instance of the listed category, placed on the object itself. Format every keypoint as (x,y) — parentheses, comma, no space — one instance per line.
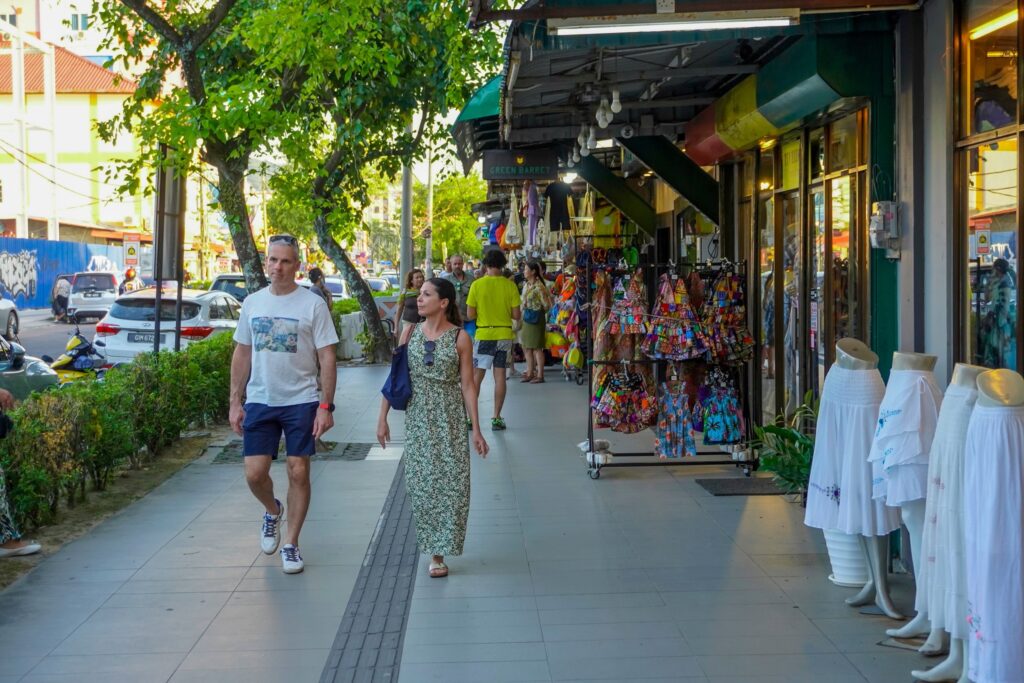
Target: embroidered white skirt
(903,437)
(994,543)
(839,494)
(940,575)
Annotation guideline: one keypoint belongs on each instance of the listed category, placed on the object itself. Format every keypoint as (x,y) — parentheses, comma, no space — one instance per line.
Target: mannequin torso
(965,375)
(902,360)
(853,354)
(1000,388)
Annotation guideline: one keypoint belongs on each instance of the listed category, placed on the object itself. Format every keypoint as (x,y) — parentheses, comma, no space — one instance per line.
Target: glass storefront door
(810,247)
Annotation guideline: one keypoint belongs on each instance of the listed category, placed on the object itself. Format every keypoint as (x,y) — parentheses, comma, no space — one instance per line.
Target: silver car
(92,295)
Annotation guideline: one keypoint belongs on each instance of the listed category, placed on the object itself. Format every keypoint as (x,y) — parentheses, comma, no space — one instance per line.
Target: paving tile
(624,668)
(441,605)
(596,632)
(271,658)
(473,619)
(242,634)
(291,673)
(105,677)
(606,615)
(474,672)
(493,634)
(777,665)
(619,647)
(15,666)
(763,644)
(474,652)
(154,665)
(599,600)
(889,666)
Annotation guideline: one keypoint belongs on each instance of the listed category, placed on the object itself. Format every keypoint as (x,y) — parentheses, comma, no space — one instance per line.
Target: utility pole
(405,231)
(204,240)
(428,233)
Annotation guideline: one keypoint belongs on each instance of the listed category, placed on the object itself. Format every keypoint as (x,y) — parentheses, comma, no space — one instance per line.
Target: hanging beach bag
(513,238)
(397,388)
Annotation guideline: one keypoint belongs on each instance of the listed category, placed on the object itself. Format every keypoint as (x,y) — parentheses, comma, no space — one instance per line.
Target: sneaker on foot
(497,424)
(270,535)
(291,561)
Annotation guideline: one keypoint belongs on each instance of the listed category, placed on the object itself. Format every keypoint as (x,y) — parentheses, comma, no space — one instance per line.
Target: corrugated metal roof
(75,75)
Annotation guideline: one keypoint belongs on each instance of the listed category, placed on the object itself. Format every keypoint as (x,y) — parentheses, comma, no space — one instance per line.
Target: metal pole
(179,189)
(429,232)
(50,93)
(159,224)
(405,250)
(21,131)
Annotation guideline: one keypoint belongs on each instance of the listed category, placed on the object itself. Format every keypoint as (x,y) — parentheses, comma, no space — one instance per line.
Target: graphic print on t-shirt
(275,334)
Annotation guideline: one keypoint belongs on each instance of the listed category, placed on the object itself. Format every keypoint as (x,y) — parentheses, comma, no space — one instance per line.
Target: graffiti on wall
(18,273)
(29,267)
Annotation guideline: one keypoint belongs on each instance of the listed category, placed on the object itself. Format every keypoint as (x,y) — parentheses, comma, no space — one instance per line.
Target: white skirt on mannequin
(839,495)
(906,424)
(994,542)
(940,575)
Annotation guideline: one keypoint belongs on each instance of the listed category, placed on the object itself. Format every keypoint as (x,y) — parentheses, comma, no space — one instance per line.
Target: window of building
(12,19)
(988,58)
(79,22)
(1,192)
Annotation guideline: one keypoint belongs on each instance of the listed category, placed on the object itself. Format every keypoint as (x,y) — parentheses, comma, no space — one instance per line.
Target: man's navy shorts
(263,426)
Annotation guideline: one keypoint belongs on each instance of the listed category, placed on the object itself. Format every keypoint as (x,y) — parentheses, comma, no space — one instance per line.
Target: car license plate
(92,295)
(144,337)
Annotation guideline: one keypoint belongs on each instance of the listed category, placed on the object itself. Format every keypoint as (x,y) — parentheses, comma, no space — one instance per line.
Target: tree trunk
(231,196)
(375,328)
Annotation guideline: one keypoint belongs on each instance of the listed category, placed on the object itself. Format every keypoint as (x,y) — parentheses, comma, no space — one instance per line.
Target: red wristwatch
(329,407)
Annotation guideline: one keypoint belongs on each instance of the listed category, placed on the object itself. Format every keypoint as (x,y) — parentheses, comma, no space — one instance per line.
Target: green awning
(476,128)
(484,102)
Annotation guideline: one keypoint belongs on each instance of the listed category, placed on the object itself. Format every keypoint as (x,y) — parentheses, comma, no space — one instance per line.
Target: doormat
(231,453)
(746,486)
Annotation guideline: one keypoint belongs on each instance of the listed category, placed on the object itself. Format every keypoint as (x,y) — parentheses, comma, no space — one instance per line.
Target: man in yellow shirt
(493,302)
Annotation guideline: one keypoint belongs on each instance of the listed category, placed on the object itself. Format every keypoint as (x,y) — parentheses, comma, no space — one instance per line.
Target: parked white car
(129,328)
(92,295)
(335,285)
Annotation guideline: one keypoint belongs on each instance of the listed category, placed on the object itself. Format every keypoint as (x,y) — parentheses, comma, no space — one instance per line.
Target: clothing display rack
(661,368)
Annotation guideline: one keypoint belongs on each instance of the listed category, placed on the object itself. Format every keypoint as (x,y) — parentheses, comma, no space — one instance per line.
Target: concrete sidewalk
(640,575)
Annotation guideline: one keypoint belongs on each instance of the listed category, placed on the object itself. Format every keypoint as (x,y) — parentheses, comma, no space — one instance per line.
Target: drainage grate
(368,646)
(231,452)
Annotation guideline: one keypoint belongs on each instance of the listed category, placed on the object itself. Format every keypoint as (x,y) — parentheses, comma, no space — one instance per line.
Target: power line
(47,179)
(45,162)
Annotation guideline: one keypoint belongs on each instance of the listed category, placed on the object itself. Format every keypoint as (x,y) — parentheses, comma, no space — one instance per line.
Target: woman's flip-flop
(438,570)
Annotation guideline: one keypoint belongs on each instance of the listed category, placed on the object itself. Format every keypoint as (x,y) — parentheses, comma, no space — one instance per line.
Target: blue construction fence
(29,268)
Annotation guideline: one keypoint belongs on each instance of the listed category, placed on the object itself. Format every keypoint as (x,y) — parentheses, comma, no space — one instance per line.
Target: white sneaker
(291,561)
(21,551)
(270,532)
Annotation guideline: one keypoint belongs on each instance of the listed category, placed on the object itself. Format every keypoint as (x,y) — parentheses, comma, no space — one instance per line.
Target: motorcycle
(80,360)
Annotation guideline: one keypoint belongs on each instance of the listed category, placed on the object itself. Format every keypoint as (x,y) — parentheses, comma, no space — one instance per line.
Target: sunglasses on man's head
(286,239)
(428,355)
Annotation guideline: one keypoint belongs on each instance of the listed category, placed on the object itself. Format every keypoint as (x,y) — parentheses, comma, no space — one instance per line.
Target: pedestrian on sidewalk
(282,333)
(493,303)
(444,391)
(407,315)
(11,544)
(536,302)
(463,280)
(319,286)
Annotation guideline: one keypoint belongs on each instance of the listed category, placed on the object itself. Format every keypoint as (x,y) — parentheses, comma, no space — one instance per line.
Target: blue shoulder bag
(398,387)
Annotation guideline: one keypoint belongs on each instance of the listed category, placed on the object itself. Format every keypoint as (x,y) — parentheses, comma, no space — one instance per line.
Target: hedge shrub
(85,431)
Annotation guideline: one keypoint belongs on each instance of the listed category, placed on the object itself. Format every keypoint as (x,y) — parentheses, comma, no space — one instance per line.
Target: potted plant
(785,448)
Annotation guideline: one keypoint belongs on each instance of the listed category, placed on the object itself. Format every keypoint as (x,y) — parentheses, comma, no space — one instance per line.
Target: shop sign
(132,248)
(532,164)
(984,240)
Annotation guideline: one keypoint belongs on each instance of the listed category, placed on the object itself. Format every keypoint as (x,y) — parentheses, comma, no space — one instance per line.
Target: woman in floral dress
(436,442)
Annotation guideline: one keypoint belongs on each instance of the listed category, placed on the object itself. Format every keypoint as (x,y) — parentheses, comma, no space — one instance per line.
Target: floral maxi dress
(437,446)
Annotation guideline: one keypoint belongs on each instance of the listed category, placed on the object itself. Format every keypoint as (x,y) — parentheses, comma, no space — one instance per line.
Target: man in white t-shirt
(283,331)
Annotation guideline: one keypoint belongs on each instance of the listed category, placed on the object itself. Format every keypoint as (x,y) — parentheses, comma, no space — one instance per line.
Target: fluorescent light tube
(994,25)
(668,26)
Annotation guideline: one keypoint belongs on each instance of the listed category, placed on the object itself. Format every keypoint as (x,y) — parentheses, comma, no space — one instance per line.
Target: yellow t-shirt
(493,297)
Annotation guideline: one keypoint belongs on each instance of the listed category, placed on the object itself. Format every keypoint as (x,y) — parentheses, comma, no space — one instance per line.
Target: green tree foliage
(370,72)
(455,224)
(201,92)
(385,240)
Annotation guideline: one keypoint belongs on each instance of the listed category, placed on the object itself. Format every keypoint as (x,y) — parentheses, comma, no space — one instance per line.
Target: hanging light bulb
(585,151)
(576,155)
(616,105)
(582,137)
(604,113)
(592,140)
